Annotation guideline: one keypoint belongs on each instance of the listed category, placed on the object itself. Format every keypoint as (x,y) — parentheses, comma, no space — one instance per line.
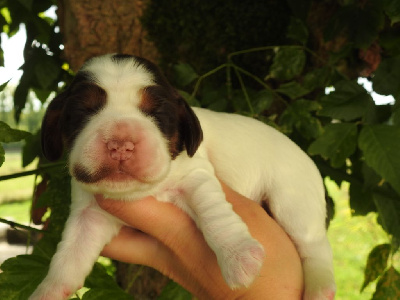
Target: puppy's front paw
(241,264)
(53,292)
(319,280)
(325,294)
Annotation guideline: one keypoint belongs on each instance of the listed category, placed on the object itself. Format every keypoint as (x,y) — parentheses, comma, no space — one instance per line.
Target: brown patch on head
(67,114)
(174,117)
(85,100)
(157,104)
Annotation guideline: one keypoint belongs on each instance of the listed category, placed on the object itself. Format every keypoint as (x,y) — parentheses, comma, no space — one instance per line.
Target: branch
(40,169)
(21,226)
(196,87)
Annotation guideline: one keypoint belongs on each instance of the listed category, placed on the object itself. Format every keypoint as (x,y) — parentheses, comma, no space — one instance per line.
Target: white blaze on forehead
(122,79)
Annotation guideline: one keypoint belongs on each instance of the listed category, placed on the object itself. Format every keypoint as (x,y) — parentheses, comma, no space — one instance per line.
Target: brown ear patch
(174,117)
(85,100)
(51,136)
(156,103)
(68,112)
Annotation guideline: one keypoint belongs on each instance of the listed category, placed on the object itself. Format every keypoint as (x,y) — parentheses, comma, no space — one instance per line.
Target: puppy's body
(139,138)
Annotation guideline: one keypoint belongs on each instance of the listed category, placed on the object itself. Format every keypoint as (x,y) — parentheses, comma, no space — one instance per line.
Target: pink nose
(120,150)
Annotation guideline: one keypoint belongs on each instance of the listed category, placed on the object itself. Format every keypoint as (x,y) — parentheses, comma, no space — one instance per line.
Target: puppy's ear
(52,143)
(189,128)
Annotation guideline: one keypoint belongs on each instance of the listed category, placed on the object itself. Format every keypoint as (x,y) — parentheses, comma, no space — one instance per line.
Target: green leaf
(288,63)
(184,74)
(192,101)
(9,135)
(102,293)
(3,85)
(26,3)
(41,94)
(376,264)
(46,71)
(297,30)
(347,102)
(387,77)
(298,115)
(31,149)
(173,291)
(102,285)
(262,100)
(2,155)
(99,278)
(317,78)
(392,9)
(337,143)
(381,147)
(21,275)
(293,90)
(20,96)
(389,212)
(388,286)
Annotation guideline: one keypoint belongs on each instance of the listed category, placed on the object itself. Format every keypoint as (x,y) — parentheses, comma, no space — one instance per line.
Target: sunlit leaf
(388,286)
(347,102)
(376,264)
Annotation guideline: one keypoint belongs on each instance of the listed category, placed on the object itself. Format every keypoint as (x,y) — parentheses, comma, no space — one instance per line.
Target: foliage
(320,44)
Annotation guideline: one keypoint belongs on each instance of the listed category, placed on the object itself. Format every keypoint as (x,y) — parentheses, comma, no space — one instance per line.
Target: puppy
(129,134)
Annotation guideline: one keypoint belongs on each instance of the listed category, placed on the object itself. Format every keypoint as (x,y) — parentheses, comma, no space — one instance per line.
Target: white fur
(251,157)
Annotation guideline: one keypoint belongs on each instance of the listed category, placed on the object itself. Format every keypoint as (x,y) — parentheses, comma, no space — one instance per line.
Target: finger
(163,221)
(132,246)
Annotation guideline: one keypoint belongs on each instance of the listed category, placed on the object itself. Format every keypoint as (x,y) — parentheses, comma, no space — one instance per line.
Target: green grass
(17,211)
(15,189)
(352,238)
(15,194)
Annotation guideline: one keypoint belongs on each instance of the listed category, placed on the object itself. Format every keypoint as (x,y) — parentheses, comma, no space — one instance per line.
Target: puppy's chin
(120,190)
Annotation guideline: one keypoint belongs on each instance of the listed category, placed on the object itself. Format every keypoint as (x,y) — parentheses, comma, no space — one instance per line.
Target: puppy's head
(122,124)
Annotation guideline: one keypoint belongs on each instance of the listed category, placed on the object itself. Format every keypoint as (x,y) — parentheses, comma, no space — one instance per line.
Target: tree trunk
(91,27)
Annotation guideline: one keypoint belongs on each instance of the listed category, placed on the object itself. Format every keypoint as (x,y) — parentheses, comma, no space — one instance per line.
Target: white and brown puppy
(129,134)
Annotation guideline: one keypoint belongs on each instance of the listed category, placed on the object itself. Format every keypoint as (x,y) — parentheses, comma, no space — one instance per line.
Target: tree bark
(91,28)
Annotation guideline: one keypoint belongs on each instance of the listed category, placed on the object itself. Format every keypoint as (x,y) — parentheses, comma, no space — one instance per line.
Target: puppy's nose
(120,150)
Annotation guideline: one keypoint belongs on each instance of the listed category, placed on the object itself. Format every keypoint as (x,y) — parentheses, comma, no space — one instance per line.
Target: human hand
(162,236)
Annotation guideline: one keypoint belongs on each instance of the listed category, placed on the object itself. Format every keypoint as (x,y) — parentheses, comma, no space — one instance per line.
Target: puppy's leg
(239,255)
(87,230)
(301,212)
